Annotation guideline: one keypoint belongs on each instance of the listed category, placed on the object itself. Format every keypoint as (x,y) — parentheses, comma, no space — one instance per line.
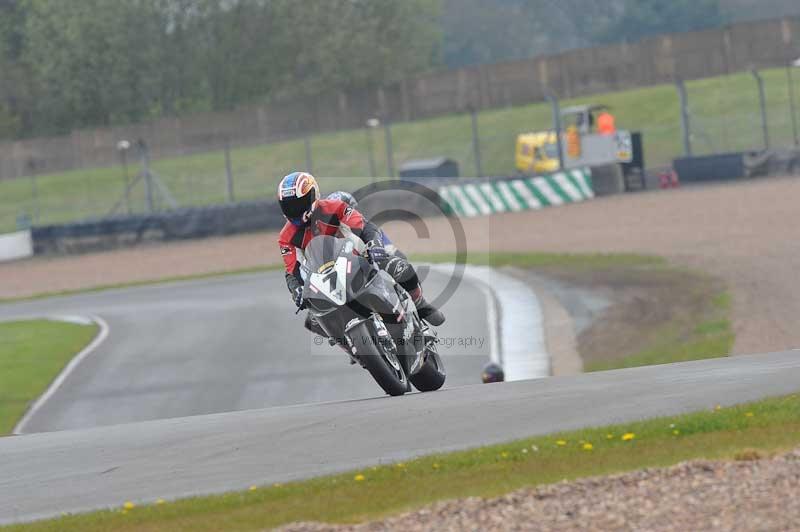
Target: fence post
(309,160)
(371,124)
(148,177)
(30,168)
(790,83)
(228,171)
(762,102)
(122,149)
(476,143)
(387,129)
(686,127)
(556,110)
(35,191)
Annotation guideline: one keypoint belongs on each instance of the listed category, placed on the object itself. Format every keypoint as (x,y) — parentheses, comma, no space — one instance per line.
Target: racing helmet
(345,197)
(492,372)
(298,193)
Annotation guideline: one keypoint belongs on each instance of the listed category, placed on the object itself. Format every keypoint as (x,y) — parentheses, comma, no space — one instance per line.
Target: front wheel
(431,375)
(379,359)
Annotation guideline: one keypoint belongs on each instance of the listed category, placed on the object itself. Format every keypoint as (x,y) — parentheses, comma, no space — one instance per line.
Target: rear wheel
(380,359)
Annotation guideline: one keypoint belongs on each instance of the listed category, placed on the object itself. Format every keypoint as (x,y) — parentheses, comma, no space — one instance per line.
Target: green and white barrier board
(521,194)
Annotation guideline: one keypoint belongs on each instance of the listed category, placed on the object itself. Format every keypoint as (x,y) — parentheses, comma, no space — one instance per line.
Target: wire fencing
(724,114)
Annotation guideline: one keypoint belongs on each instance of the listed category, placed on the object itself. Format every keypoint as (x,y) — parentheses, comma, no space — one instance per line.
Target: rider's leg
(403,272)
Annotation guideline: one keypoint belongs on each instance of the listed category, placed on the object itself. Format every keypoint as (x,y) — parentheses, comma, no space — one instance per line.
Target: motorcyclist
(348,198)
(308,216)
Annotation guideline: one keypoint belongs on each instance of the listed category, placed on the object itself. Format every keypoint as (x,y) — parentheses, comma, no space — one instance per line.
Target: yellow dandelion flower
(588,446)
(436,466)
(160,501)
(359,477)
(628,436)
(400,465)
(504,454)
(609,436)
(253,488)
(561,443)
(128,505)
(676,432)
(749,414)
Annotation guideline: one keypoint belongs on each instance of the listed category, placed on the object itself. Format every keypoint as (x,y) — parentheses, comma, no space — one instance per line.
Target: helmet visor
(294,208)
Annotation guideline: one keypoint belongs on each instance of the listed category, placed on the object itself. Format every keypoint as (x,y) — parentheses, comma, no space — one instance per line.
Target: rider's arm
(289,255)
(361,227)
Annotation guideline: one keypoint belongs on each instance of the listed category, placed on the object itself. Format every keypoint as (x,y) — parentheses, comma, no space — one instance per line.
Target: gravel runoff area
(698,495)
(748,233)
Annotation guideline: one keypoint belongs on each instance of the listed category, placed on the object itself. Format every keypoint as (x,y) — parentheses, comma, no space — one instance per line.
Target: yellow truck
(537,152)
(583,145)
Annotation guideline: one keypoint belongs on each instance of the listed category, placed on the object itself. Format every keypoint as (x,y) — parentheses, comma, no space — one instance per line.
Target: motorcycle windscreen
(322,251)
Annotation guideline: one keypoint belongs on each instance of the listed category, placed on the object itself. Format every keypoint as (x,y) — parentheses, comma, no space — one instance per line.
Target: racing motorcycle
(362,308)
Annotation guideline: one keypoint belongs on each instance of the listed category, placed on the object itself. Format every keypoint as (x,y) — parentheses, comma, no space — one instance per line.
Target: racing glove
(295,288)
(376,252)
(297,294)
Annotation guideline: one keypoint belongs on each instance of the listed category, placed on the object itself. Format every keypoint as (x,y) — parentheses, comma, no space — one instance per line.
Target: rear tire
(376,360)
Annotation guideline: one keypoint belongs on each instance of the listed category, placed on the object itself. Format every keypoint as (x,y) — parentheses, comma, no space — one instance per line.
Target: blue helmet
(345,197)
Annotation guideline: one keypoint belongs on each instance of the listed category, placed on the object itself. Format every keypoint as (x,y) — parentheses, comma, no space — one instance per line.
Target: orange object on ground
(606,123)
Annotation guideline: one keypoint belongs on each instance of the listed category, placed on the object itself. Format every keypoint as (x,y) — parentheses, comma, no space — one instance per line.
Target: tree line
(84,63)
(81,63)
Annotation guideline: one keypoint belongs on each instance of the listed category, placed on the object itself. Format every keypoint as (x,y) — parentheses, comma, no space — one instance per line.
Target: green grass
(575,261)
(724,116)
(739,432)
(704,332)
(32,353)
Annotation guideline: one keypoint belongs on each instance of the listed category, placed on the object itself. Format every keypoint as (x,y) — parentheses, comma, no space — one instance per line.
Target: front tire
(431,375)
(376,358)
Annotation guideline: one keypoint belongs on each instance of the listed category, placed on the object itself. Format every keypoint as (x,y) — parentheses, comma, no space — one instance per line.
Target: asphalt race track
(44,474)
(221,345)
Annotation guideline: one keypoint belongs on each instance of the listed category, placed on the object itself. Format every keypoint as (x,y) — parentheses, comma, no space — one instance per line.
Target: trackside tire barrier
(486,197)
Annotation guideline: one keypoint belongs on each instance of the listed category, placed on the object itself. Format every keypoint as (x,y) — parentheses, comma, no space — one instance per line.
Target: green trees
(81,63)
(68,64)
(643,18)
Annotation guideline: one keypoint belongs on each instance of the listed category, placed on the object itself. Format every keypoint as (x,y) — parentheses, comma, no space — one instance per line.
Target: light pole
(371,124)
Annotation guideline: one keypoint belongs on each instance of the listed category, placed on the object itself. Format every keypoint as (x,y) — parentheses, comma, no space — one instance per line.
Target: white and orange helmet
(298,194)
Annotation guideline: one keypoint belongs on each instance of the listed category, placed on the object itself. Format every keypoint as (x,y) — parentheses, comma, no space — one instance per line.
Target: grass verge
(739,432)
(661,314)
(703,332)
(31,355)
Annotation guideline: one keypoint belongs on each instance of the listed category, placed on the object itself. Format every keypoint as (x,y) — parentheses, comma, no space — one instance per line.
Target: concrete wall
(15,246)
(574,73)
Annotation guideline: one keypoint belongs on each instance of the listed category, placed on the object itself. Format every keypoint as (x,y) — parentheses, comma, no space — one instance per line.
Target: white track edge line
(519,347)
(68,369)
